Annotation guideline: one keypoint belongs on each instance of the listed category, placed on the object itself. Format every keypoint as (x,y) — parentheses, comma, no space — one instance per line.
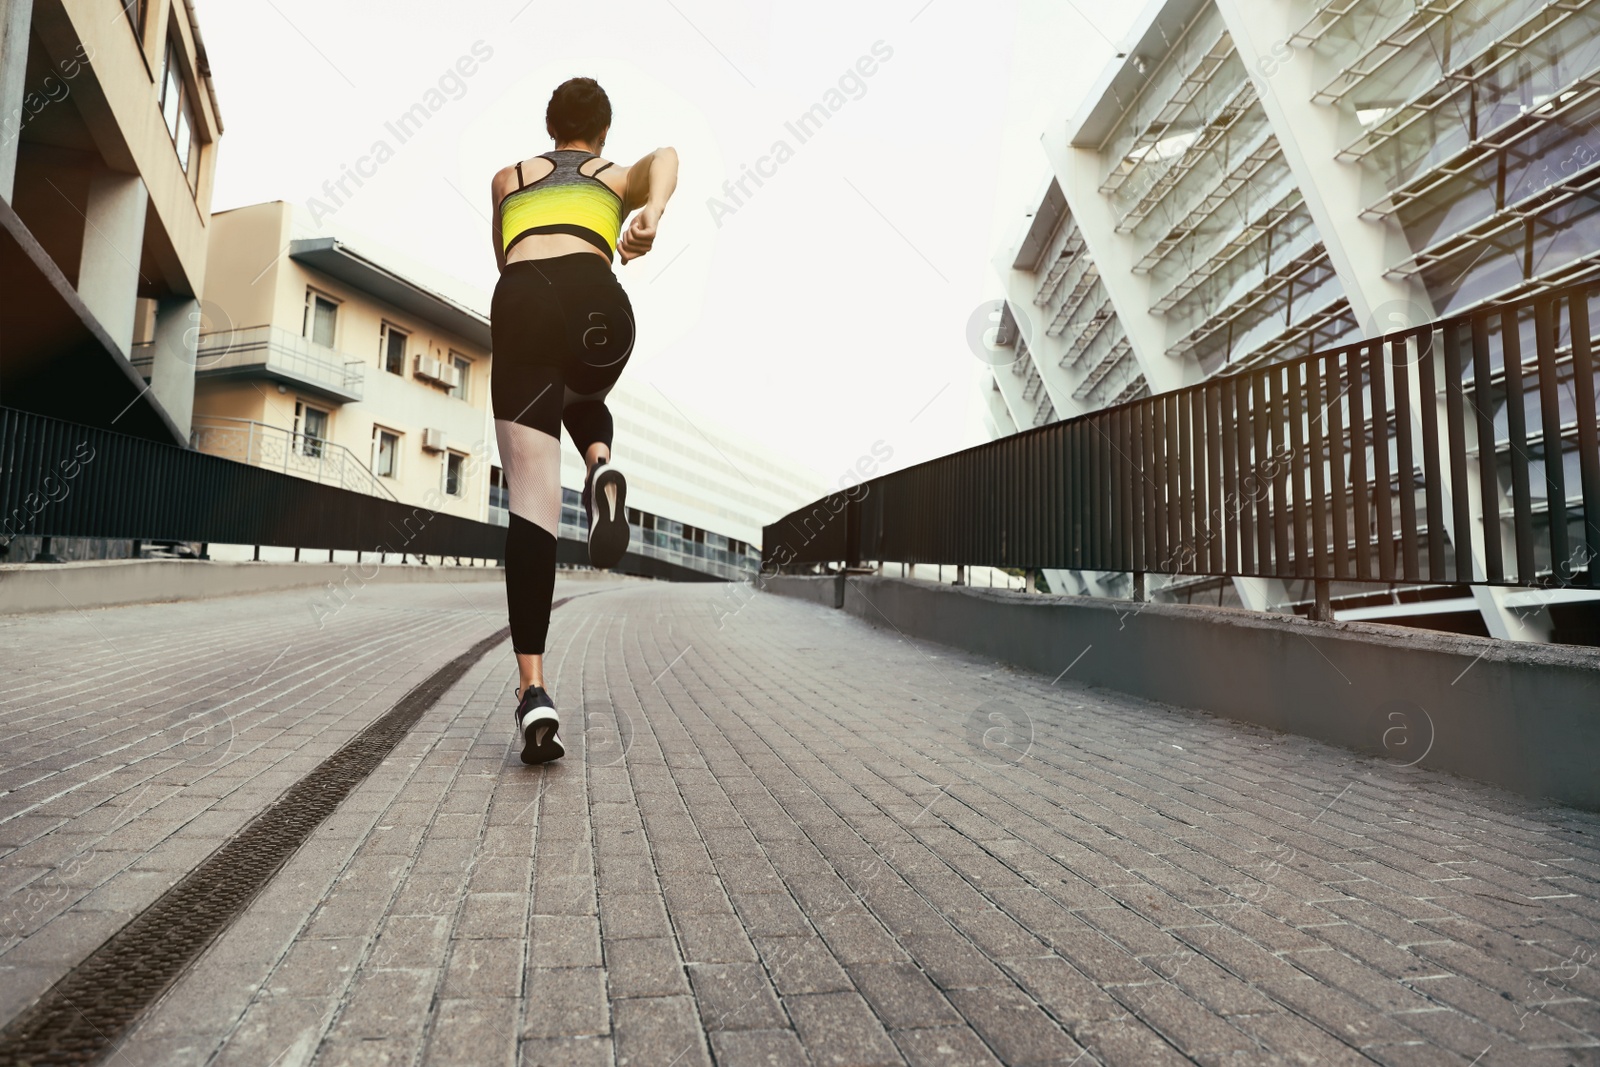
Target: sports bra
(564,201)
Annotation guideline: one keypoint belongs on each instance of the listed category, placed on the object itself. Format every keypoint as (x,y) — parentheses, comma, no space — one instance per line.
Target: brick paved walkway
(781,837)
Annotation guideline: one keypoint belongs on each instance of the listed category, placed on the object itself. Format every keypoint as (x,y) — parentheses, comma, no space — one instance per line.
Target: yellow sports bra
(564,201)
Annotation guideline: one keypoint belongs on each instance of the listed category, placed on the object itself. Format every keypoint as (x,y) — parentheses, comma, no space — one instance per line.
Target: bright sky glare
(821,311)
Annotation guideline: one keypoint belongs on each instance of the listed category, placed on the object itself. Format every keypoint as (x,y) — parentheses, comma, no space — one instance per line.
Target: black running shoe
(538,722)
(605,498)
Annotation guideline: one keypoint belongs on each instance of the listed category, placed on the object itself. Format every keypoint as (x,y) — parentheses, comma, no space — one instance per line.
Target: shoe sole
(540,743)
(608,530)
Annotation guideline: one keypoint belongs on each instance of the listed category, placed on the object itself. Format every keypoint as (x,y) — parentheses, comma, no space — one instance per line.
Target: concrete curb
(104,583)
(1523,717)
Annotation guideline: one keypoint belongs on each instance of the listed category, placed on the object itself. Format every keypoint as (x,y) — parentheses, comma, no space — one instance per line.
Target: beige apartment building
(323,362)
(108,136)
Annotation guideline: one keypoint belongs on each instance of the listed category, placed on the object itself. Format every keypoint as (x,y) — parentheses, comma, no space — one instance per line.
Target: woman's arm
(651,182)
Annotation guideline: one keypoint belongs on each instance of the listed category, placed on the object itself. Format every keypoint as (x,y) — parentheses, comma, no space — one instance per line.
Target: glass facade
(668,539)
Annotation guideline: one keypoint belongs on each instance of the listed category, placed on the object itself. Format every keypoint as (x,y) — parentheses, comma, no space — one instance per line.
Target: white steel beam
(1078,170)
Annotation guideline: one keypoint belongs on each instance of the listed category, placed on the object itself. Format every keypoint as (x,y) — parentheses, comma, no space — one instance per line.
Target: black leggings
(562,330)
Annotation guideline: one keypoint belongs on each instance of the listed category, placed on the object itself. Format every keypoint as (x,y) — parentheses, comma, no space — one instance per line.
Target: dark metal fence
(1462,451)
(59,479)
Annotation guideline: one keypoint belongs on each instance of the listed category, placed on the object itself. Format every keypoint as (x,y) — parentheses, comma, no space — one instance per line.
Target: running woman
(562,329)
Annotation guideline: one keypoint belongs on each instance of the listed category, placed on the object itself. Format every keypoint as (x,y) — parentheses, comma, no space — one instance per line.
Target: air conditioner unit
(450,374)
(433,440)
(427,367)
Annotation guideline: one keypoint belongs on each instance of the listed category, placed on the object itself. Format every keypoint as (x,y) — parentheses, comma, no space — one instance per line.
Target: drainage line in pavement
(86,1014)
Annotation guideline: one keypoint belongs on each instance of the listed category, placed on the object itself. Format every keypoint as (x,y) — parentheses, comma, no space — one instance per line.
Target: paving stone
(659,1030)
(1064,991)
(276,1029)
(735,996)
(482,1030)
(316,968)
(839,1028)
(569,1002)
(802,965)
(644,967)
(1014,1026)
(565,941)
(943,1046)
(758,1048)
(480,969)
(713,939)
(901,995)
(385,1005)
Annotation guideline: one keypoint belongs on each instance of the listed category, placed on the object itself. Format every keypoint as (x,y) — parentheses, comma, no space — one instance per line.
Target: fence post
(852,533)
(1322,606)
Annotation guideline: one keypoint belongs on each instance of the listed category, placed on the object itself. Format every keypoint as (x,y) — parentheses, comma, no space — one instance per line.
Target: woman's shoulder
(609,171)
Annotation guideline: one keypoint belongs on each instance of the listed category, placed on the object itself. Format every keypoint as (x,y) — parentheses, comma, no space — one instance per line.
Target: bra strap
(520,182)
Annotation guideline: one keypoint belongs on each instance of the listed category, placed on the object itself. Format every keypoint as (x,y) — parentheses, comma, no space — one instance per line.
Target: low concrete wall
(1523,717)
(828,591)
(102,583)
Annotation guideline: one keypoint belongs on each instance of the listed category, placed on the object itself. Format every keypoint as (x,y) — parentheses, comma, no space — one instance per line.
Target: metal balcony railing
(1363,463)
(270,352)
(276,448)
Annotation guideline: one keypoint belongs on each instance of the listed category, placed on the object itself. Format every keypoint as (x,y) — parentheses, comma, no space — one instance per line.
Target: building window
(499,495)
(135,10)
(310,429)
(385,452)
(463,367)
(320,317)
(394,349)
(176,107)
(454,469)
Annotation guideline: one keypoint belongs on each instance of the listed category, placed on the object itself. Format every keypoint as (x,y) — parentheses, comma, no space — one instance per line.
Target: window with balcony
(310,429)
(455,483)
(177,109)
(463,367)
(322,314)
(394,349)
(385,452)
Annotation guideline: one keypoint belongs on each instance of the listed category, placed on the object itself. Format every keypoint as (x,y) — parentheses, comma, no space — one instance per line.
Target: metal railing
(277,448)
(273,351)
(61,479)
(1459,452)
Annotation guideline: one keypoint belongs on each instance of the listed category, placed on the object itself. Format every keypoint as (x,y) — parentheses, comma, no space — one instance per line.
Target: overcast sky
(824,311)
